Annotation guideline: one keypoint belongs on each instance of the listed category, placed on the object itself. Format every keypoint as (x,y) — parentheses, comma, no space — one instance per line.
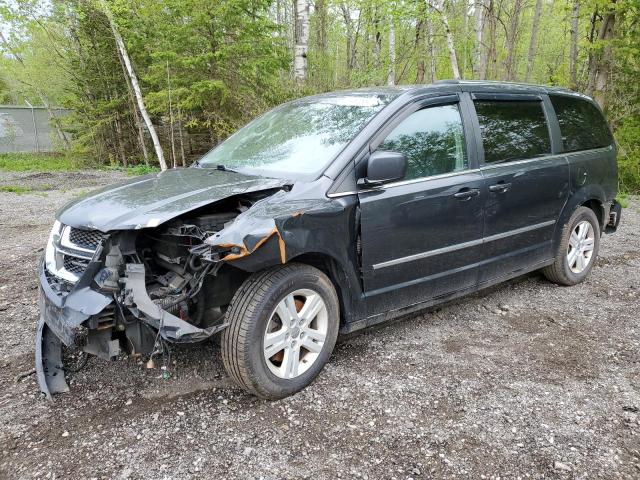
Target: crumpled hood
(153,199)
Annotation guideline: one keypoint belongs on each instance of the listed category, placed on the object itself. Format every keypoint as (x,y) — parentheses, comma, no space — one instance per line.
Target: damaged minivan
(326,215)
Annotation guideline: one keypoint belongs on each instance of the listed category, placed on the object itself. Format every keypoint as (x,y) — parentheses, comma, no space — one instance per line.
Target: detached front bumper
(70,320)
(61,319)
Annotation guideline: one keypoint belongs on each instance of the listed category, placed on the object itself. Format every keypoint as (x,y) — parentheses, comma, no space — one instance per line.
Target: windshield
(297,139)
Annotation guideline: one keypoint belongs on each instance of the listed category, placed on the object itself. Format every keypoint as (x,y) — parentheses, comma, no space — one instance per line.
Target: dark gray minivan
(326,215)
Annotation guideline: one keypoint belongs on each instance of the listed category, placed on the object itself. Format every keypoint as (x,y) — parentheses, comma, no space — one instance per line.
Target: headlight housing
(50,251)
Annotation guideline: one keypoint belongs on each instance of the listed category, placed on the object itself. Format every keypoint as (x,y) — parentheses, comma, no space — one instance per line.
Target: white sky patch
(353,101)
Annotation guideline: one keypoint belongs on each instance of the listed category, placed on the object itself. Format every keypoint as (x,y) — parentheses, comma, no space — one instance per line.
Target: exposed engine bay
(160,284)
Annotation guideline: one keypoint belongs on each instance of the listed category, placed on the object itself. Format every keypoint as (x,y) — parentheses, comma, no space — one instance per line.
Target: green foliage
(628,139)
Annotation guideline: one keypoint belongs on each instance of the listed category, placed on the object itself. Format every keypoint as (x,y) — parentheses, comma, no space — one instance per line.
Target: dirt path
(525,380)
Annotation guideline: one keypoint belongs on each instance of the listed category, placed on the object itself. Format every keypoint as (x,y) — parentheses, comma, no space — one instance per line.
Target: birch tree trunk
(453,57)
(480,59)
(391,76)
(432,51)
(136,87)
(533,43)
(301,40)
(573,55)
(134,109)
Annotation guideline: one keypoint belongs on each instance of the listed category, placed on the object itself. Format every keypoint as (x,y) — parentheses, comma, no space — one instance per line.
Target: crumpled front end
(135,291)
(130,291)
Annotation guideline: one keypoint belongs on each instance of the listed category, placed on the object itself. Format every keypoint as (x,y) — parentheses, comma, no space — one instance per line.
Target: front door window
(433,141)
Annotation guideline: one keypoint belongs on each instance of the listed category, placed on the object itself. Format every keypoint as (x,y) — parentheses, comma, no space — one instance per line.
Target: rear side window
(512,130)
(581,124)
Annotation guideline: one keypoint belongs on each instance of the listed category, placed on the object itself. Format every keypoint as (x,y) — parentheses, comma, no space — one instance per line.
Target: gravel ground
(525,380)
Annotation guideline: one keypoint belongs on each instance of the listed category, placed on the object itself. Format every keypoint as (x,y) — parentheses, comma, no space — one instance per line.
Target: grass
(135,170)
(19,189)
(623,198)
(47,162)
(36,162)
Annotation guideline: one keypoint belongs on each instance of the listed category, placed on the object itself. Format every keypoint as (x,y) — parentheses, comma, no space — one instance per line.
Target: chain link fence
(30,129)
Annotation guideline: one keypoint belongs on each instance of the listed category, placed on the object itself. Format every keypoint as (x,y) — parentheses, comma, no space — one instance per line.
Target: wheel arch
(592,197)
(332,268)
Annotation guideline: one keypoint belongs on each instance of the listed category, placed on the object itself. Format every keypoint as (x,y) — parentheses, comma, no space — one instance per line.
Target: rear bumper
(615,213)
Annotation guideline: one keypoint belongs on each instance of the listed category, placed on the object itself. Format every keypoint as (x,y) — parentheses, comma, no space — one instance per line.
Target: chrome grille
(86,238)
(72,252)
(75,265)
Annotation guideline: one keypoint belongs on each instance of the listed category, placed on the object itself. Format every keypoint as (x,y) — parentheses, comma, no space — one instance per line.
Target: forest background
(158,82)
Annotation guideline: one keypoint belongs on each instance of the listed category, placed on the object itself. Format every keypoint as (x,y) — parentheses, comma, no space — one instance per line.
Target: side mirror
(384,167)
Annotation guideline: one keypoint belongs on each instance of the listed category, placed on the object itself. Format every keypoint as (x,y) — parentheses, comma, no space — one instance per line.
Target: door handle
(500,187)
(467,193)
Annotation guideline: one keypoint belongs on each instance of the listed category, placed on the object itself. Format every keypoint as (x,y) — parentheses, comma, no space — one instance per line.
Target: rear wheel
(283,325)
(578,249)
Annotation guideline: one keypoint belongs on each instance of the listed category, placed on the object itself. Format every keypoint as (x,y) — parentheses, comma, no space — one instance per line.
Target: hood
(154,199)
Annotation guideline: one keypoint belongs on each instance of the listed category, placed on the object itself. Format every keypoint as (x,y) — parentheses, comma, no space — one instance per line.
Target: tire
(254,319)
(560,271)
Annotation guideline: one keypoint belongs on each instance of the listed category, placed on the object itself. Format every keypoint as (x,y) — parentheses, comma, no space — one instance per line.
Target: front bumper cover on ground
(62,321)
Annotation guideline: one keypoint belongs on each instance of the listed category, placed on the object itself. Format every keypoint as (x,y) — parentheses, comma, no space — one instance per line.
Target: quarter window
(512,130)
(581,124)
(433,141)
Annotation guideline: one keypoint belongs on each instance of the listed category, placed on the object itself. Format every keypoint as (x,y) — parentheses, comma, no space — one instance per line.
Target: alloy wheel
(295,333)
(581,245)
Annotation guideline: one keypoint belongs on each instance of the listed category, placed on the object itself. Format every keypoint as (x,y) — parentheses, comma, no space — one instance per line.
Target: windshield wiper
(225,169)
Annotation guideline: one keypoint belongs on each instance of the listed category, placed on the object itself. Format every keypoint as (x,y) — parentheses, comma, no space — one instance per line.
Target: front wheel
(578,249)
(283,325)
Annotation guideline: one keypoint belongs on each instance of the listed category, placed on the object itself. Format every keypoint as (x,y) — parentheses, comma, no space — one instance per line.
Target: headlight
(50,251)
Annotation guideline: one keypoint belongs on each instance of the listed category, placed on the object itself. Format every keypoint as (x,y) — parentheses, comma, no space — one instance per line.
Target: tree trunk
(136,87)
(492,51)
(301,40)
(453,57)
(171,131)
(420,41)
(573,55)
(599,73)
(432,51)
(533,43)
(391,76)
(56,121)
(134,109)
(119,139)
(184,163)
(480,59)
(321,24)
(512,40)
(352,39)
(279,12)
(377,46)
